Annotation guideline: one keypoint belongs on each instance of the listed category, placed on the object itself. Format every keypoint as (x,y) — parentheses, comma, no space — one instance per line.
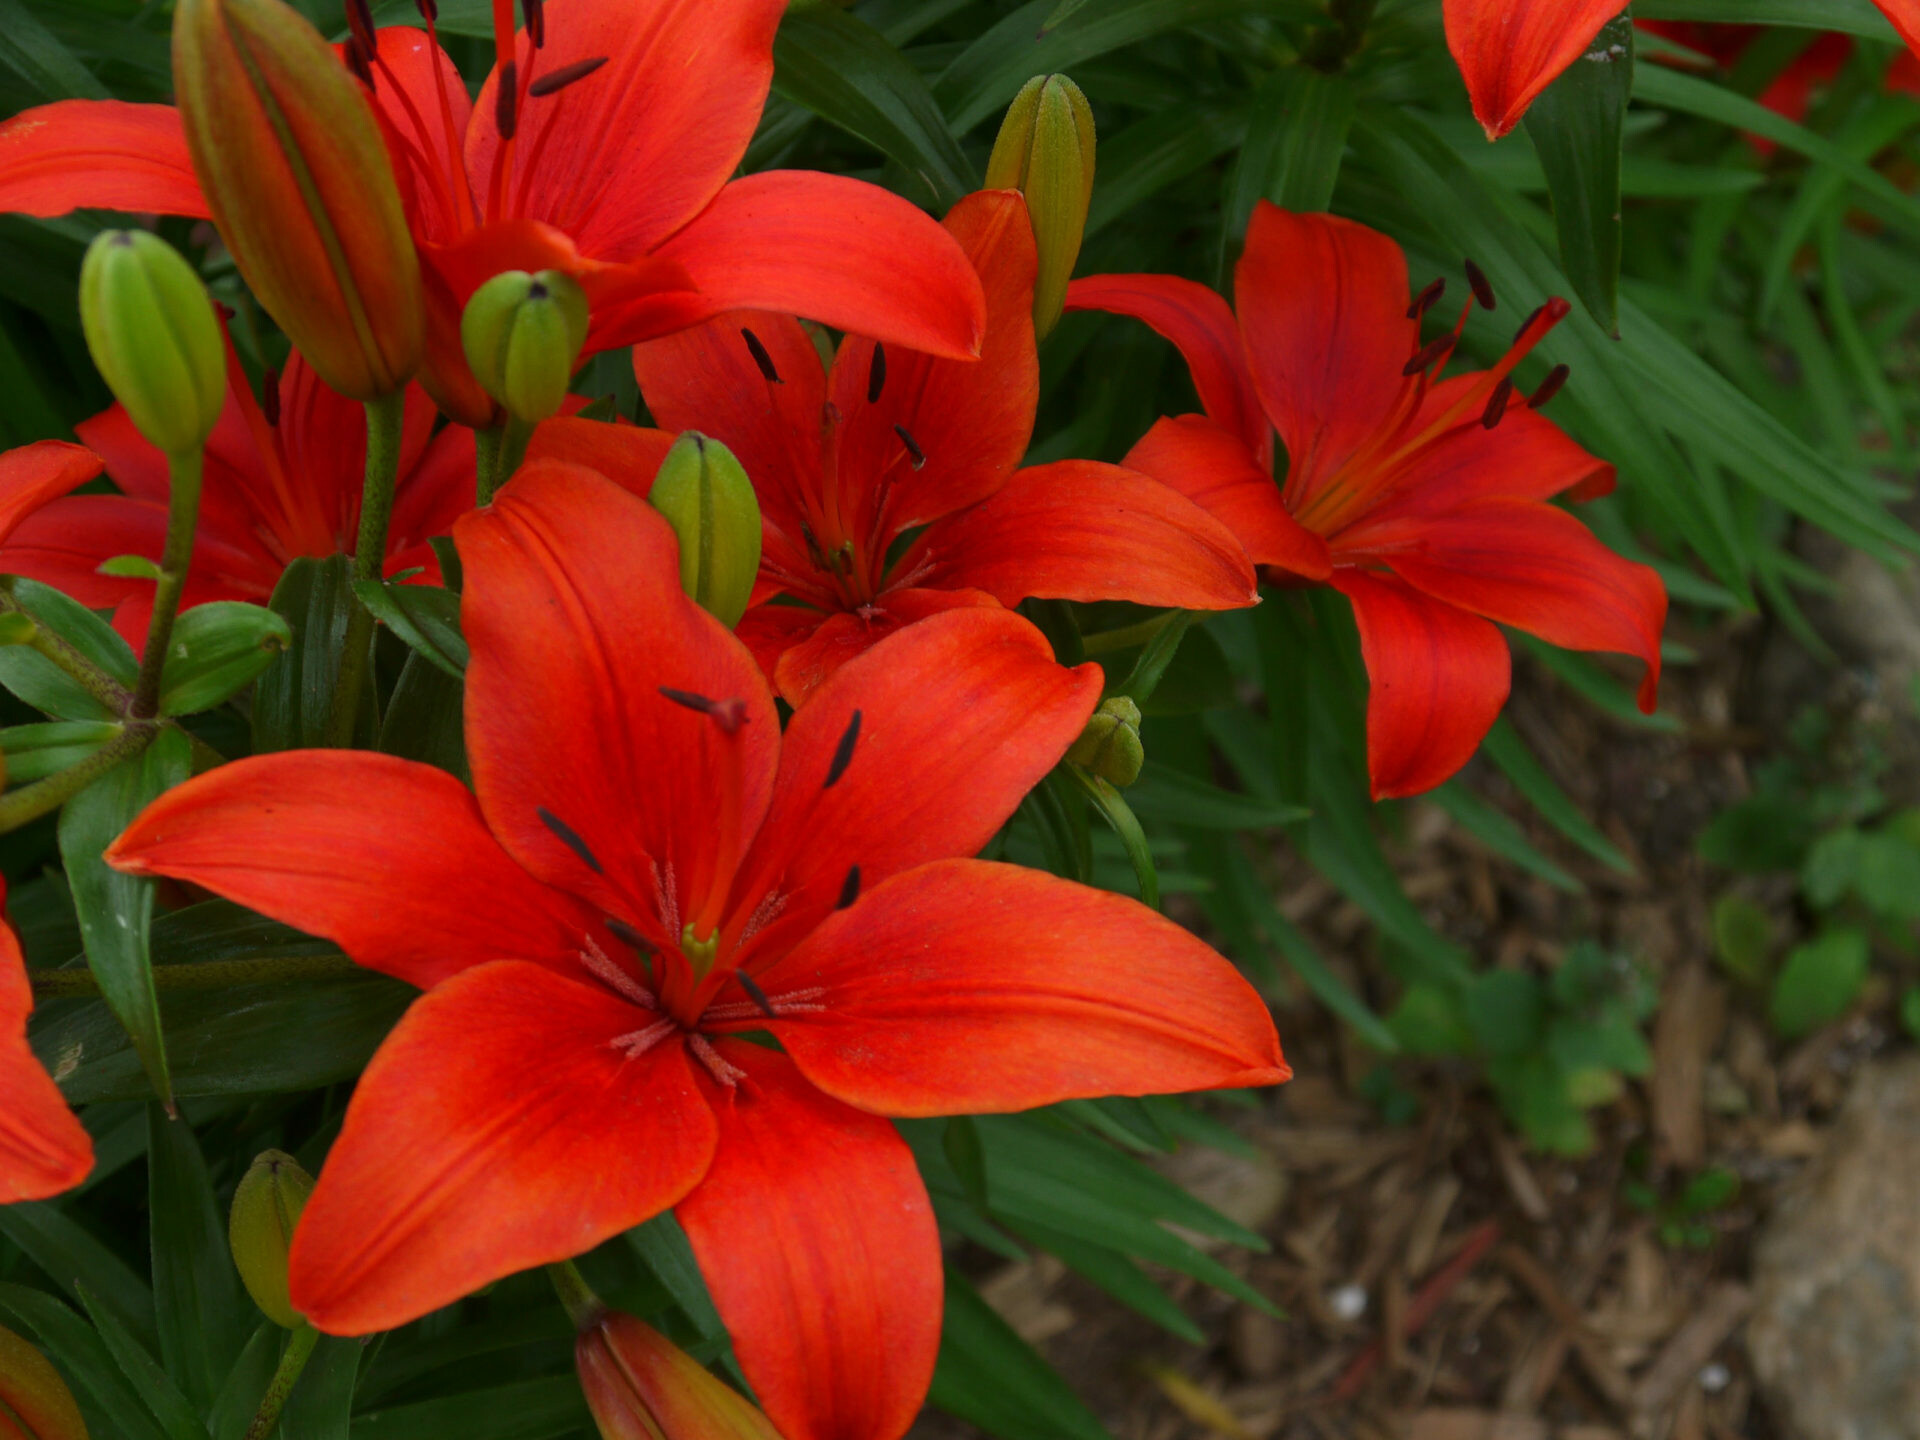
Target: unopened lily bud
(1110,745)
(710,503)
(1045,151)
(641,1386)
(523,335)
(33,1397)
(266,1207)
(153,335)
(302,189)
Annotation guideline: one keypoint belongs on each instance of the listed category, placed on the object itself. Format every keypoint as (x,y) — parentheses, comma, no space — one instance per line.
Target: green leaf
(71,1257)
(1832,867)
(1111,807)
(246,1383)
(322,1401)
(1295,142)
(425,717)
(1509,752)
(1429,1021)
(662,1246)
(291,700)
(37,56)
(1818,981)
(1176,798)
(110,1406)
(44,685)
(526,1410)
(36,751)
(988,1376)
(844,71)
(1117,1275)
(163,1397)
(425,616)
(196,1291)
(1575,127)
(1742,937)
(1156,656)
(1853,17)
(215,649)
(1498,833)
(1910,1011)
(115,910)
(1166,147)
(1506,1010)
(1763,832)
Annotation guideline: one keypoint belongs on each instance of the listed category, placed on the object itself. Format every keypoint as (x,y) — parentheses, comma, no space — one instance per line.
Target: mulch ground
(1438,1281)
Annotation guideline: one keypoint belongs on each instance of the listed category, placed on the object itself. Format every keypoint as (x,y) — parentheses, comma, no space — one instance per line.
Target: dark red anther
(728,714)
(1549,387)
(360,24)
(626,934)
(568,837)
(918,456)
(1525,324)
(506,100)
(1426,355)
(355,56)
(755,993)
(760,356)
(877,373)
(1428,297)
(536,12)
(270,396)
(843,752)
(1482,287)
(849,888)
(559,79)
(1497,404)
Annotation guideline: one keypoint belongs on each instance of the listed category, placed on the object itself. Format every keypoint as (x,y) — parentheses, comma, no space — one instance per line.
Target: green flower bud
(1045,151)
(266,1207)
(523,334)
(710,503)
(154,336)
(1110,745)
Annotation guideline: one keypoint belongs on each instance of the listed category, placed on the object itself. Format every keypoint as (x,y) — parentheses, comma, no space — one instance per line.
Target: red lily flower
(274,488)
(846,464)
(645,870)
(1509,51)
(43,1148)
(609,156)
(1422,500)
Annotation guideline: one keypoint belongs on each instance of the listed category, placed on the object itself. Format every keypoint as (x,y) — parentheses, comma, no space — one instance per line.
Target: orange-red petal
(98,155)
(32,475)
(1509,51)
(387,858)
(971,987)
(815,1235)
(808,655)
(43,1149)
(1081,530)
(498,1128)
(628,455)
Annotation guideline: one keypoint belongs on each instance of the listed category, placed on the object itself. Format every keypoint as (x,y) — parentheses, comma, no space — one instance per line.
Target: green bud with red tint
(641,1386)
(1110,745)
(35,1403)
(523,335)
(707,498)
(266,1208)
(1045,151)
(297,176)
(151,329)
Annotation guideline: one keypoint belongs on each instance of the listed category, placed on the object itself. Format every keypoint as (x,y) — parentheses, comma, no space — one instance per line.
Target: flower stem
(292,1361)
(369,553)
(486,447)
(209,975)
(584,1307)
(513,450)
(84,673)
(183,511)
(42,797)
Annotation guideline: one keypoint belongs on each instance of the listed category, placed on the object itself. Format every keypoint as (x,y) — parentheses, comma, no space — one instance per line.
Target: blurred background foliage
(1750,373)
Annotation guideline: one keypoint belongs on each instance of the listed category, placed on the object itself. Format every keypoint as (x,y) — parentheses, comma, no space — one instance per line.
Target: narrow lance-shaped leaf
(1295,141)
(203,1314)
(1575,126)
(291,701)
(116,910)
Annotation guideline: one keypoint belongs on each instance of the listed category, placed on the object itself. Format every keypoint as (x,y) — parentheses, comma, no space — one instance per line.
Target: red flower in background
(596,929)
(43,1149)
(275,487)
(1422,500)
(609,155)
(1509,51)
(848,464)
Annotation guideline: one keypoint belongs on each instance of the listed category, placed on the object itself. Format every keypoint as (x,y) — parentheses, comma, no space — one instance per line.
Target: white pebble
(1715,1377)
(1348,1302)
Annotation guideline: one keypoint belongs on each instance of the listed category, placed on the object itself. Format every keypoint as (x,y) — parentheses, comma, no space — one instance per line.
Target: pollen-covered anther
(1428,355)
(604,968)
(717,1066)
(761,358)
(666,900)
(1427,298)
(636,1043)
(1482,287)
(763,915)
(1549,387)
(729,714)
(789,1002)
(914,452)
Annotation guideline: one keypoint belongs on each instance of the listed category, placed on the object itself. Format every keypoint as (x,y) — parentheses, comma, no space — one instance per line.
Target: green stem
(369,553)
(42,797)
(207,975)
(584,1307)
(292,1361)
(486,446)
(513,450)
(84,673)
(1104,642)
(183,510)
